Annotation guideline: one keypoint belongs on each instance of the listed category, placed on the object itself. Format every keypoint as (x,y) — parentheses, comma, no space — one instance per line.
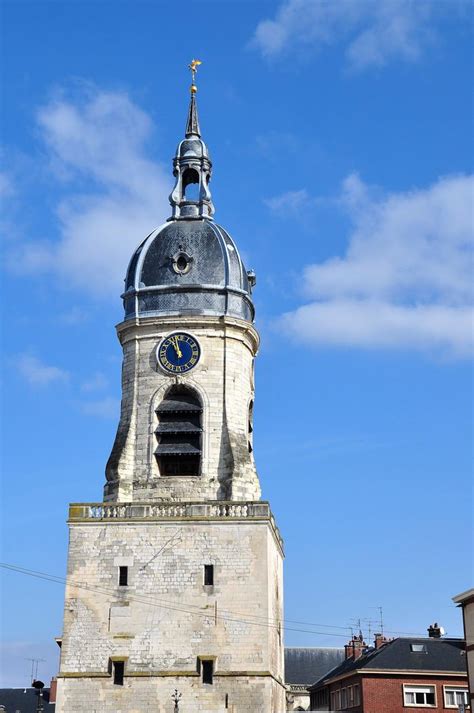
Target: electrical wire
(187,608)
(163,604)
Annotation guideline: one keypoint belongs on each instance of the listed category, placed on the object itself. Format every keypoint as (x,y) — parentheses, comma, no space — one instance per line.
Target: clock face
(178,352)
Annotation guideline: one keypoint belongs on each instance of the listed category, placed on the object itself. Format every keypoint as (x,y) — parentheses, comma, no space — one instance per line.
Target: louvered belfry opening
(179,433)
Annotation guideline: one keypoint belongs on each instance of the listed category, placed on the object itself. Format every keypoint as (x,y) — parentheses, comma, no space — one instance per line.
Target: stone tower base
(167,619)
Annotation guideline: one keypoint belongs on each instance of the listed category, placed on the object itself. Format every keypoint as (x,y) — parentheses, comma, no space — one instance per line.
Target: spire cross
(193,68)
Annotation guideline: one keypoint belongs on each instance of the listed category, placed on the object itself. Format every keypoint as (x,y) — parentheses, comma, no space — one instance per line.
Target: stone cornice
(143,327)
(211,511)
(170,673)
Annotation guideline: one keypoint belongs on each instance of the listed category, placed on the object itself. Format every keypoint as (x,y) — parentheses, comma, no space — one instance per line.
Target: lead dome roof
(188,267)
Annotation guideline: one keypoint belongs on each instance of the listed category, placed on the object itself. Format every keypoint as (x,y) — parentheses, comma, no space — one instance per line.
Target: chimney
(52,690)
(355,647)
(379,640)
(435,631)
(349,650)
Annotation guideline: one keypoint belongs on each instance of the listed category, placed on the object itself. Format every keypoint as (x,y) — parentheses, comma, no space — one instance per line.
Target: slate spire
(192,125)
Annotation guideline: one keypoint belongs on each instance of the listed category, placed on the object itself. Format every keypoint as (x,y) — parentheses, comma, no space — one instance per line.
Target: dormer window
(179,433)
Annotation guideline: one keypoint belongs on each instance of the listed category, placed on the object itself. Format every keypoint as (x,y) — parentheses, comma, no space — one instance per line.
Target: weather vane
(193,68)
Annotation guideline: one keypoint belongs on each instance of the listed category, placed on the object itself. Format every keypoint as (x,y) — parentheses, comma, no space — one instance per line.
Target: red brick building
(396,676)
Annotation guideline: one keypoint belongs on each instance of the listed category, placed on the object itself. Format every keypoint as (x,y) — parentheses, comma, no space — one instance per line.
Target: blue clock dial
(178,352)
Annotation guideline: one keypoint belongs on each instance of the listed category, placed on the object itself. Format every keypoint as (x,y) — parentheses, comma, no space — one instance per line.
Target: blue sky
(341,140)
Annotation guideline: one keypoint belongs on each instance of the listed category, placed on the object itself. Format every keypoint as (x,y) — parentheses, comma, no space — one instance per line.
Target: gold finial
(193,67)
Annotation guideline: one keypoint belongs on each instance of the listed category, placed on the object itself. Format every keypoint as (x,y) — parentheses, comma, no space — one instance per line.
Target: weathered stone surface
(224,380)
(164,529)
(166,618)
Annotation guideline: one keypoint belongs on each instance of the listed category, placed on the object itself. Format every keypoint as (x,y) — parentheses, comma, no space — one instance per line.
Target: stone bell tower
(175,580)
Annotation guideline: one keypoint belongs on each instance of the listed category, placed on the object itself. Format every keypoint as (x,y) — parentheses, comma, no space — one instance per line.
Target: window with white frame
(454,696)
(419,696)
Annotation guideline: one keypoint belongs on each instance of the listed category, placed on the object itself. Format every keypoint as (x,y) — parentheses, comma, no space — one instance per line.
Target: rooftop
(24,700)
(406,654)
(303,666)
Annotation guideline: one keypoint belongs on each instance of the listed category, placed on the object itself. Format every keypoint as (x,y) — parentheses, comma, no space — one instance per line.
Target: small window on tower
(250,428)
(207,671)
(123,576)
(209,574)
(119,671)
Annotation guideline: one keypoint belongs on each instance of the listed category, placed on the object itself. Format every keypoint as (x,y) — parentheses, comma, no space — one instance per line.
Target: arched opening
(191,185)
(179,433)
(250,428)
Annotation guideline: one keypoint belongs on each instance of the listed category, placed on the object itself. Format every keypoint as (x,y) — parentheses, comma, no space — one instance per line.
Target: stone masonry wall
(153,695)
(166,618)
(225,382)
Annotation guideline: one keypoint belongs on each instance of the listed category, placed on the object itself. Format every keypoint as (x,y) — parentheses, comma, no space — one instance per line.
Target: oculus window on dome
(178,353)
(182,262)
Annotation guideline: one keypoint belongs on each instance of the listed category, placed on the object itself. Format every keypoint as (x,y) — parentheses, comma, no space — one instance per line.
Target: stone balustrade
(210,510)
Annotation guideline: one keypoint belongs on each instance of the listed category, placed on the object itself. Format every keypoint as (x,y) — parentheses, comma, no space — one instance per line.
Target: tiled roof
(24,700)
(303,666)
(438,655)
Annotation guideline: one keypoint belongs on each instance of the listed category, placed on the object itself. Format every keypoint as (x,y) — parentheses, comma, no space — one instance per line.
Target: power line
(250,619)
(163,604)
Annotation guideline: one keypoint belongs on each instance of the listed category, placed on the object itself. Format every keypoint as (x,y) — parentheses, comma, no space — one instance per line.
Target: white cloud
(98,141)
(289,202)
(406,277)
(373,32)
(97,382)
(37,373)
(107,407)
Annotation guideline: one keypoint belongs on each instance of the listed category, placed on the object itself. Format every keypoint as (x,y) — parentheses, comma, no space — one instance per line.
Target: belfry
(174,592)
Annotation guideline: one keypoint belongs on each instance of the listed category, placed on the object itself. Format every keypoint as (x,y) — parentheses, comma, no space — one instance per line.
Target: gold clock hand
(178,351)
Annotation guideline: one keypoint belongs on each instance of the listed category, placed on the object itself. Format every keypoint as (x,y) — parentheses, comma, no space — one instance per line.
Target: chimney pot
(435,631)
(355,647)
(379,640)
